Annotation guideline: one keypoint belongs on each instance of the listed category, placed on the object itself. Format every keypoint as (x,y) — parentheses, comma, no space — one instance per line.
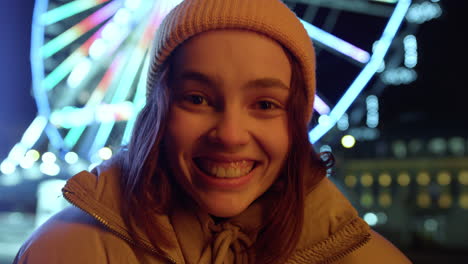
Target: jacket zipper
(115,232)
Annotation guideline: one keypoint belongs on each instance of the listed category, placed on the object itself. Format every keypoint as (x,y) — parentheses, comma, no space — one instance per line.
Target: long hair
(280,236)
(149,190)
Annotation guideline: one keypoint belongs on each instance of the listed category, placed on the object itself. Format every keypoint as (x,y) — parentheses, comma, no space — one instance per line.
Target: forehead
(233,53)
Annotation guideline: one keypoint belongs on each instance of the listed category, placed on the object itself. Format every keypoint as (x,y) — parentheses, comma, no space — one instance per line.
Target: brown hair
(148,189)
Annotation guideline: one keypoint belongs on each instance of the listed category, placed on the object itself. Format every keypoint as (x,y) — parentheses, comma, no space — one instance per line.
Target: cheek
(276,140)
(182,133)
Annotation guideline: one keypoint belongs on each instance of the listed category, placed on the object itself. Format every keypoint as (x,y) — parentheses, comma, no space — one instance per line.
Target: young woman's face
(227,136)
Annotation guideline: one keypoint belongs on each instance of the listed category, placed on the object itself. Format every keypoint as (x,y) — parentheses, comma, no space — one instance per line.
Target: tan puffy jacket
(92,231)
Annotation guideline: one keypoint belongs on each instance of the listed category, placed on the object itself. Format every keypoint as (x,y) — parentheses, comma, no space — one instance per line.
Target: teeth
(225,169)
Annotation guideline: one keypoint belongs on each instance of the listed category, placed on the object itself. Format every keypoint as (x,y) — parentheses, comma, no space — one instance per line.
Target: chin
(225,208)
(225,213)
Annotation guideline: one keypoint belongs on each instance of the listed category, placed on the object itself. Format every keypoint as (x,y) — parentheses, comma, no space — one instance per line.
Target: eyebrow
(266,82)
(197,76)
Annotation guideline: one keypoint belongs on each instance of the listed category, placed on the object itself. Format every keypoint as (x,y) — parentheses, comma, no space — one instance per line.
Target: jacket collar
(98,193)
(331,229)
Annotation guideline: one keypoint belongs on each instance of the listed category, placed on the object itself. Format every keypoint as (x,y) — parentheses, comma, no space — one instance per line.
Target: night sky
(435,102)
(17,106)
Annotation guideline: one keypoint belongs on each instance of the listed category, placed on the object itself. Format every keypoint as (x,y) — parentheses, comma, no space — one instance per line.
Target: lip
(223,184)
(224,158)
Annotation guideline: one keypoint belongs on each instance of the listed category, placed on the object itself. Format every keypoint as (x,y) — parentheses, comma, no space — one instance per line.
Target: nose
(230,129)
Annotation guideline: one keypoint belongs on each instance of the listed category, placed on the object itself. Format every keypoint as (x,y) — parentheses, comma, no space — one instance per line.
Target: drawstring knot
(228,240)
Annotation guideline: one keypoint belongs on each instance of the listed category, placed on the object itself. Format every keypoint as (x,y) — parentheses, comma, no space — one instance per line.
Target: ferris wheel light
(348,141)
(49,168)
(335,43)
(97,49)
(79,73)
(343,123)
(71,158)
(67,10)
(7,167)
(26,163)
(17,152)
(321,107)
(73,33)
(411,51)
(423,12)
(122,16)
(49,157)
(34,131)
(366,74)
(324,120)
(370,218)
(132,4)
(33,155)
(111,31)
(105,153)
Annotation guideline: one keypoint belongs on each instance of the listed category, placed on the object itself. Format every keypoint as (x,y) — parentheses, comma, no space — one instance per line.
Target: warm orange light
(444,178)
(445,200)
(385,199)
(385,179)
(463,177)
(367,180)
(423,200)
(423,178)
(403,179)
(350,180)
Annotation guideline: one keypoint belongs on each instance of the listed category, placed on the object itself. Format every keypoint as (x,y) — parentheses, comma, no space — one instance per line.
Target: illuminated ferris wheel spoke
(72,34)
(110,43)
(131,68)
(103,88)
(139,98)
(61,71)
(96,98)
(139,101)
(67,66)
(128,76)
(67,10)
(366,74)
(335,43)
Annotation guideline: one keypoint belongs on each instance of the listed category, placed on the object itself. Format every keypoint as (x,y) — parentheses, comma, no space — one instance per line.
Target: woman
(219,168)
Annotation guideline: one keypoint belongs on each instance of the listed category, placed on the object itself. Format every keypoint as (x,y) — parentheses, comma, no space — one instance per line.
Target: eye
(196,99)
(267,105)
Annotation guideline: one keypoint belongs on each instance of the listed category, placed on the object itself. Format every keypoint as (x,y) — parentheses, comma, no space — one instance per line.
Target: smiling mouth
(218,169)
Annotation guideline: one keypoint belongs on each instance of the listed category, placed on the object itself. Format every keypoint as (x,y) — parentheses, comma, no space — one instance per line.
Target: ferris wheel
(88,60)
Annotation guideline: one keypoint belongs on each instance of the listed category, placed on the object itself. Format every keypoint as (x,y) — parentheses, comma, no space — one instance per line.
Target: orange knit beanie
(268,17)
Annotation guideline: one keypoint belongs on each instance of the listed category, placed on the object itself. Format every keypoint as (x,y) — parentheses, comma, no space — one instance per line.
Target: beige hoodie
(93,231)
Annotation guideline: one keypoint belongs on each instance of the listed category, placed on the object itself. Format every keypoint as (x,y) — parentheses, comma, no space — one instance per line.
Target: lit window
(367,200)
(423,200)
(403,179)
(385,179)
(350,180)
(463,200)
(463,177)
(367,180)
(385,199)
(444,178)
(445,200)
(423,178)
